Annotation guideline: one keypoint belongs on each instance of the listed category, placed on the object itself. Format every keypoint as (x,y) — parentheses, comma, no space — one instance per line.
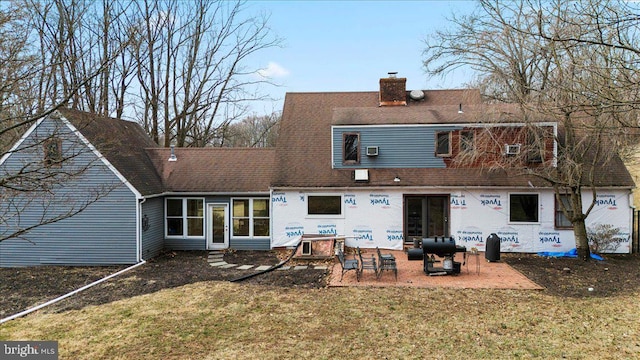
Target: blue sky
(350,45)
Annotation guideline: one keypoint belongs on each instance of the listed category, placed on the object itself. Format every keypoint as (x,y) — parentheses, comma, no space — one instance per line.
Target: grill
(444,248)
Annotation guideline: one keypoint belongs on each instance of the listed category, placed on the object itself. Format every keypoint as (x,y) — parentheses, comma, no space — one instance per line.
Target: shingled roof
(303,156)
(145,165)
(215,170)
(123,144)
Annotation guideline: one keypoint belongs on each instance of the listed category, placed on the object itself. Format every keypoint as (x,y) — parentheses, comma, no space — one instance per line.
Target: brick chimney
(393,90)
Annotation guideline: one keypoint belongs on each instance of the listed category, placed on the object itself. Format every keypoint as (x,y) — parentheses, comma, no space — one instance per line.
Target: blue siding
(102,234)
(399,146)
(250,244)
(185,244)
(153,236)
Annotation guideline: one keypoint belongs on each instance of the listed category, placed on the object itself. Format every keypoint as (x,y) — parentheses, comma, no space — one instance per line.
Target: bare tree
(557,61)
(177,67)
(190,68)
(75,39)
(16,64)
(252,131)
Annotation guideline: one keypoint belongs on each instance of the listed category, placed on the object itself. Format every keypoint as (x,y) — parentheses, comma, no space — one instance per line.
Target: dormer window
(52,152)
(351,148)
(443,143)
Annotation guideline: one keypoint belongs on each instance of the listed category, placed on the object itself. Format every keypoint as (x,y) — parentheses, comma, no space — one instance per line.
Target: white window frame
(251,218)
(509,221)
(185,218)
(327,216)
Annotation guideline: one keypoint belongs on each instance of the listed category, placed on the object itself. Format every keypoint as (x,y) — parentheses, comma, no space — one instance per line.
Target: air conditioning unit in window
(372,151)
(512,149)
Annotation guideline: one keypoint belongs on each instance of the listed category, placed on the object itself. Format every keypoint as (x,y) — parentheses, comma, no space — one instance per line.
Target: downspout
(139,228)
(271,218)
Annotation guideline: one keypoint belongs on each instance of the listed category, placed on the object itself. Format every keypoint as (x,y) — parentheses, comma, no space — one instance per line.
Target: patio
(491,275)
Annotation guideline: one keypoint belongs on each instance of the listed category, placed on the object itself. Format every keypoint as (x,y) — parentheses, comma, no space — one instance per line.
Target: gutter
(50,302)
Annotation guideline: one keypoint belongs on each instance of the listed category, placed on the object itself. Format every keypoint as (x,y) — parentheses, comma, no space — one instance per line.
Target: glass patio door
(426,216)
(437,216)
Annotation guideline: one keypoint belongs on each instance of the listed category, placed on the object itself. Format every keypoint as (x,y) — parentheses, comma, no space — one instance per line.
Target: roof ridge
(375,91)
(212,148)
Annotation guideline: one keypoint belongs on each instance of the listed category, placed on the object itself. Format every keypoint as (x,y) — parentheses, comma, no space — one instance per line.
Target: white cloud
(273,70)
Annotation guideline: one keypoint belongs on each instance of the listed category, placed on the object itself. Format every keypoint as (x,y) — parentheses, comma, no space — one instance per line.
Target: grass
(219,320)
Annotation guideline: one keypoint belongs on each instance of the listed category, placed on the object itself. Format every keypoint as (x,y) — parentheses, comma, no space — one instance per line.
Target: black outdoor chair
(386,262)
(367,264)
(348,264)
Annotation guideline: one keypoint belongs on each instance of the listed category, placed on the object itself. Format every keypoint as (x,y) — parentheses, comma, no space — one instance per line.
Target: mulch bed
(22,288)
(570,277)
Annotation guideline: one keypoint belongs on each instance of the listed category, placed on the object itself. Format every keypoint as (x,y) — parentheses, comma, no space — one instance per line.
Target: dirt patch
(571,277)
(23,288)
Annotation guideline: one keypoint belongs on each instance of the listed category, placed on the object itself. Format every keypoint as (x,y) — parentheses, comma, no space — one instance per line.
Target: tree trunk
(582,241)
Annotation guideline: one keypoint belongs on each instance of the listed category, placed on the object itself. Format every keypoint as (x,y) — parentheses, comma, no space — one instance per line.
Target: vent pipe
(173,157)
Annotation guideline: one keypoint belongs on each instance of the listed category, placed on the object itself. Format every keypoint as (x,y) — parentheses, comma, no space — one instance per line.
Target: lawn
(221,320)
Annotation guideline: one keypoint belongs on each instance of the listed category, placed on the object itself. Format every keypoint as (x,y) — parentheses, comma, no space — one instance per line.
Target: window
(52,152)
(561,220)
(523,208)
(260,217)
(184,217)
(324,205)
(351,148)
(251,217)
(467,142)
(443,143)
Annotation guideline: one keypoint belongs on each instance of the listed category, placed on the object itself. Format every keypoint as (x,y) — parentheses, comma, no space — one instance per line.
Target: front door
(217,226)
(426,216)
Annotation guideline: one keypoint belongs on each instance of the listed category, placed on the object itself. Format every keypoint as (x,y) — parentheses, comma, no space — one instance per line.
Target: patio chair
(348,264)
(367,264)
(386,262)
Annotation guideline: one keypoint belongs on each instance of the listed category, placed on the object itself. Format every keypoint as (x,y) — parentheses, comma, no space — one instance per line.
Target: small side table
(476,254)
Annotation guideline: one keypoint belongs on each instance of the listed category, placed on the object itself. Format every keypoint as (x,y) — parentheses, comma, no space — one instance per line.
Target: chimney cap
(393,74)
